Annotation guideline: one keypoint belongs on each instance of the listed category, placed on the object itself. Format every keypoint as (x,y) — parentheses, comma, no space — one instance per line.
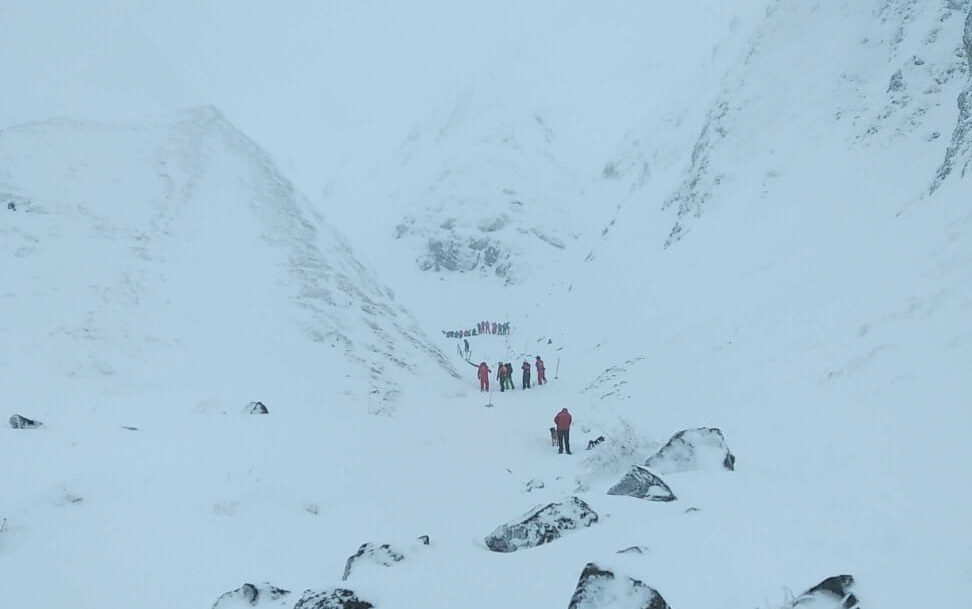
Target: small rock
(642,484)
(12,206)
(600,588)
(691,510)
(832,593)
(256,408)
(334,598)
(634,550)
(541,525)
(533,485)
(249,595)
(19,422)
(424,540)
(691,449)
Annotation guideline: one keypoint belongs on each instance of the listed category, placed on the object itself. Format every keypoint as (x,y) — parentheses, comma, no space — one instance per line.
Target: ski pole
(557,371)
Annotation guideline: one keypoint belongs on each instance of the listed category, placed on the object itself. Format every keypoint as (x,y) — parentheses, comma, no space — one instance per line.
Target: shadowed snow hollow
(172,254)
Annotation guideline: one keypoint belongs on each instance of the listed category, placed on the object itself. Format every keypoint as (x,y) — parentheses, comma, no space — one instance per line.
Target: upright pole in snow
(557,371)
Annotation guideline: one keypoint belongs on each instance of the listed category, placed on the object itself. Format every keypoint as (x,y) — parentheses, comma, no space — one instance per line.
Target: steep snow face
(166,255)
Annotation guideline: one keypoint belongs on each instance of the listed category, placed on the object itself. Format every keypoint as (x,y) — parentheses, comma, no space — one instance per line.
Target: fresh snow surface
(757,236)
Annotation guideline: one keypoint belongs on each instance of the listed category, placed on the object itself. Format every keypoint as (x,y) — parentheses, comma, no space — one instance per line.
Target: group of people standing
(504,374)
(483,327)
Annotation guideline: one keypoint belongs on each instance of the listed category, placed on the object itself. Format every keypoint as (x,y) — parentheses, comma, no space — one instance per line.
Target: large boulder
(334,598)
(690,449)
(19,422)
(642,484)
(600,588)
(832,593)
(541,525)
(249,595)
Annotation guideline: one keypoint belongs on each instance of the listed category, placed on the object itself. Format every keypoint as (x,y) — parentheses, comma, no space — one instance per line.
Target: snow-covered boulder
(832,593)
(19,422)
(600,588)
(691,449)
(384,555)
(541,525)
(334,598)
(249,595)
(642,484)
(256,408)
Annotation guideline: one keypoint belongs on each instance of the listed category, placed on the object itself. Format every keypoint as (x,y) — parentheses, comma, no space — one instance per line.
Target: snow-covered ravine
(811,309)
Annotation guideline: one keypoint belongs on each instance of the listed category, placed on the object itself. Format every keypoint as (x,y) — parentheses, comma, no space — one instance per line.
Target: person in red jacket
(483,374)
(562,421)
(541,372)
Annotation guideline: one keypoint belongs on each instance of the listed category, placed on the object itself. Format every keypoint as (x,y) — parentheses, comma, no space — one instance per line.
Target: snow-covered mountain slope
(113,283)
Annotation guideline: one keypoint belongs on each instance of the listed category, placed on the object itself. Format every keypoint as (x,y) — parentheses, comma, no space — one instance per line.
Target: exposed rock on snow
(600,588)
(642,484)
(335,598)
(541,525)
(256,408)
(382,555)
(19,422)
(832,593)
(634,550)
(690,449)
(532,485)
(958,157)
(249,595)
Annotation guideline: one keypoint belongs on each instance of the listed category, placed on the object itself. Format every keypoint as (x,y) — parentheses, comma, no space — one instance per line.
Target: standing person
(541,372)
(509,375)
(501,375)
(483,374)
(465,342)
(562,421)
(526,374)
(494,327)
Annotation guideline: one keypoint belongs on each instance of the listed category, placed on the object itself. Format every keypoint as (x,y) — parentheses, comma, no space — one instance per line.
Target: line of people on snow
(504,374)
(483,327)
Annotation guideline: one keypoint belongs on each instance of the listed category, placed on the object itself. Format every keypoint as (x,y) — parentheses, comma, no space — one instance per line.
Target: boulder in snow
(19,422)
(832,593)
(690,449)
(541,525)
(382,555)
(600,588)
(256,408)
(334,598)
(642,484)
(249,595)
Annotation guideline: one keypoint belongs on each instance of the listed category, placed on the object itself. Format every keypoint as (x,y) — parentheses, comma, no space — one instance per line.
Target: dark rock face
(249,595)
(691,449)
(599,588)
(19,422)
(335,598)
(832,593)
(256,408)
(642,484)
(382,555)
(541,525)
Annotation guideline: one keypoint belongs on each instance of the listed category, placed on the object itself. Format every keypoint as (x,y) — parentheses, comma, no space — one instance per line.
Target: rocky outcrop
(541,525)
(334,598)
(958,156)
(19,422)
(691,449)
(600,588)
(249,595)
(642,484)
(832,593)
